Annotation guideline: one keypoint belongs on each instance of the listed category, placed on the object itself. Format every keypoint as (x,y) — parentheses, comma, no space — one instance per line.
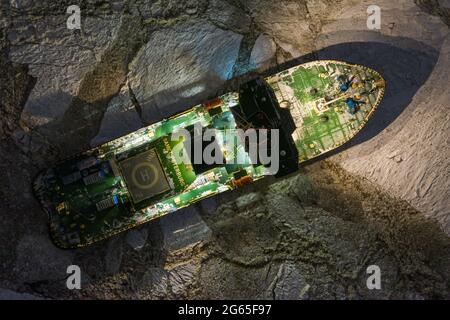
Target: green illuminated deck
(311,92)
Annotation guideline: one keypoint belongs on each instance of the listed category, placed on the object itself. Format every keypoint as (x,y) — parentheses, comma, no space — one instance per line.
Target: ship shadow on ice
(405,69)
(405,64)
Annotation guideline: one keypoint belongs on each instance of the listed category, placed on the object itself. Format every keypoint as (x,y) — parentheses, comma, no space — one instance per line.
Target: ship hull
(134,179)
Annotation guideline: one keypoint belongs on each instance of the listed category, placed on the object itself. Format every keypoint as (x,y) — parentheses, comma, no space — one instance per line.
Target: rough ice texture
(410,157)
(309,236)
(59,58)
